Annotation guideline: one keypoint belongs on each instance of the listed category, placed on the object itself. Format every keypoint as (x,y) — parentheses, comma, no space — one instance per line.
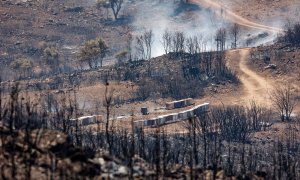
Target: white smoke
(193,20)
(161,15)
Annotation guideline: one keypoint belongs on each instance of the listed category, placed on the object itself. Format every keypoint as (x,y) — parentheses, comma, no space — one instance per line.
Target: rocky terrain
(51,77)
(44,154)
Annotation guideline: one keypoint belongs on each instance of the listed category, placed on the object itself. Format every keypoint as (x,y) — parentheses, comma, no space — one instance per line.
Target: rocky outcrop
(44,154)
(49,154)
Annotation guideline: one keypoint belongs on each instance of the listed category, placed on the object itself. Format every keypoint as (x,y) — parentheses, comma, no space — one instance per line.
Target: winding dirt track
(233,17)
(256,87)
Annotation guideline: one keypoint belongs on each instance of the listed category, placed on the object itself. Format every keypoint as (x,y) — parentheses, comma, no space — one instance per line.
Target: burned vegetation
(39,140)
(49,131)
(176,75)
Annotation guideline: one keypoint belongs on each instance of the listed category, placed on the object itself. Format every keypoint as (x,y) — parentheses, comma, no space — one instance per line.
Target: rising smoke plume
(195,20)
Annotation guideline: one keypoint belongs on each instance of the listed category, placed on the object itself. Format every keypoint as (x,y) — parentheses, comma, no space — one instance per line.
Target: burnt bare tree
(291,35)
(190,45)
(178,40)
(143,45)
(148,40)
(167,41)
(232,123)
(221,43)
(255,114)
(108,100)
(284,99)
(140,47)
(116,6)
(221,39)
(235,33)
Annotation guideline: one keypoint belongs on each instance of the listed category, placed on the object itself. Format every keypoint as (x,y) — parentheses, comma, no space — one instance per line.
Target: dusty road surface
(233,17)
(255,87)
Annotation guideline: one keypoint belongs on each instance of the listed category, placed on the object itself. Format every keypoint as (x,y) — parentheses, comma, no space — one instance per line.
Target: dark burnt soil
(28,27)
(279,62)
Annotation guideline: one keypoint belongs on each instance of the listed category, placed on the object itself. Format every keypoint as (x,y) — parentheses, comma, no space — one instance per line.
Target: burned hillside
(176,75)
(160,89)
(28,28)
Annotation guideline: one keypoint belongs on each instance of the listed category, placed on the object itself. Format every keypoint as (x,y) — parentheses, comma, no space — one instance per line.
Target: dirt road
(255,87)
(233,17)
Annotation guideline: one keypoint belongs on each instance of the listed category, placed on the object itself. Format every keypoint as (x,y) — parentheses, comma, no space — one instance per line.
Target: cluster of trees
(49,58)
(193,65)
(143,45)
(284,99)
(93,52)
(217,139)
(24,65)
(177,42)
(291,35)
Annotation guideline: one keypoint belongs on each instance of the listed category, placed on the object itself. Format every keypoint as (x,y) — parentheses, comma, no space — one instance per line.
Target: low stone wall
(169,118)
(179,104)
(86,120)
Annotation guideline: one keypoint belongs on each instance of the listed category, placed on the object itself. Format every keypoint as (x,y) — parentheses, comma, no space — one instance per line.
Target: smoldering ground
(193,20)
